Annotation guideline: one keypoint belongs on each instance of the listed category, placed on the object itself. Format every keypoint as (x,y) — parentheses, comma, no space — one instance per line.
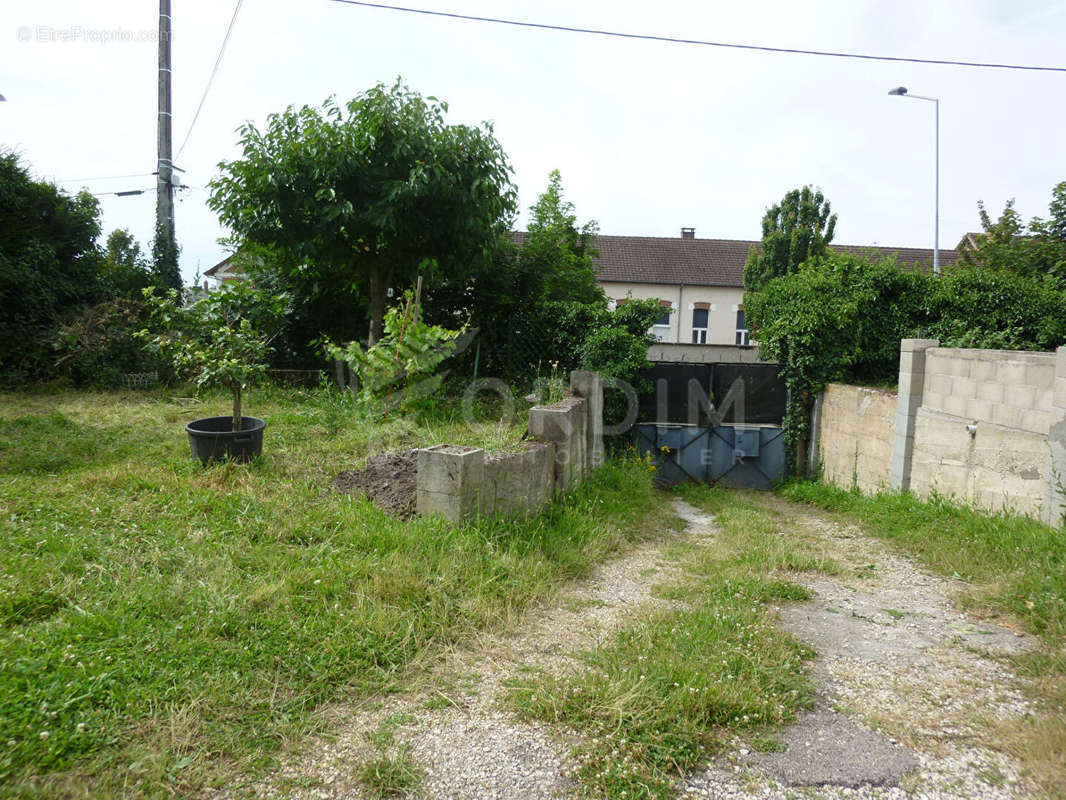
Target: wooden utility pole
(164,208)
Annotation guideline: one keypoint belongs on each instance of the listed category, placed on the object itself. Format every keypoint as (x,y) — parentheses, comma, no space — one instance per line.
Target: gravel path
(909,684)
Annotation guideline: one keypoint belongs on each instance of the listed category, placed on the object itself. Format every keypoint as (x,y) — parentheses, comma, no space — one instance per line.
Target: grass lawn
(165,626)
(1014,566)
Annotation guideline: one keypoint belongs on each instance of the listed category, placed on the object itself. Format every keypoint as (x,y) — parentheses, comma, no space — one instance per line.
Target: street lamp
(901,91)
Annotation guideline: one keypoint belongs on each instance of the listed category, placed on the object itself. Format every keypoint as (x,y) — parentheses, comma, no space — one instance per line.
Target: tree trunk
(237,408)
(377,304)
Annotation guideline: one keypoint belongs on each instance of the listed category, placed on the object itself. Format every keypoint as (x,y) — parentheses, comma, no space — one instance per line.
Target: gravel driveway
(913,692)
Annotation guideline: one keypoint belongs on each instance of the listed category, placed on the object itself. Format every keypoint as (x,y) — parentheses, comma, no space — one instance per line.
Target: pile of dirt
(388,479)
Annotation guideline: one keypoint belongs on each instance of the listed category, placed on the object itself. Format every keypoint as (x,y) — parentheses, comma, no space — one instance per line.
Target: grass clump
(665,692)
(163,625)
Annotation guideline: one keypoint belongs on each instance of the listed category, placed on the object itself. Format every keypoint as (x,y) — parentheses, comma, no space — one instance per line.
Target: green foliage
(125,270)
(165,252)
(795,230)
(559,252)
(49,265)
(512,298)
(399,371)
(367,195)
(837,317)
(998,309)
(1008,244)
(221,340)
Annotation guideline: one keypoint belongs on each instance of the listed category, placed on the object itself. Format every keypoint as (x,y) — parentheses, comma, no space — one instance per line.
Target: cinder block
(589,385)
(991,390)
(959,364)
(964,388)
(955,406)
(983,369)
(939,383)
(1006,415)
(563,424)
(917,345)
(1023,397)
(1042,375)
(449,469)
(1044,400)
(1058,398)
(451,482)
(978,409)
(1010,373)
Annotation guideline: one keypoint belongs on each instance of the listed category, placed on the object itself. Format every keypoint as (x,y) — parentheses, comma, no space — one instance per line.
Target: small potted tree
(220,340)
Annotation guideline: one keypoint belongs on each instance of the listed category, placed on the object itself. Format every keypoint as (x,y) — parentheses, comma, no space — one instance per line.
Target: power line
(107,178)
(211,78)
(703,43)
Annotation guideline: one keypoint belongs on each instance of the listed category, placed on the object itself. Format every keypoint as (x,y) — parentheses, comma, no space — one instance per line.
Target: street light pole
(901,91)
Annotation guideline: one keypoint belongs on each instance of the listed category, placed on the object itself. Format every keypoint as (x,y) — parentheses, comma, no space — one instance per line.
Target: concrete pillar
(563,424)
(451,482)
(814,446)
(912,354)
(590,386)
(1055,492)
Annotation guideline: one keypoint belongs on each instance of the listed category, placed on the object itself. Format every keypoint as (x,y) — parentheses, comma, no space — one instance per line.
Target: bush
(997,309)
(98,346)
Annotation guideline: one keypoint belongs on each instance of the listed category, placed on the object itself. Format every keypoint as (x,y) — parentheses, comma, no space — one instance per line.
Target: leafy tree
(1008,244)
(125,269)
(505,298)
(369,194)
(49,264)
(559,252)
(798,228)
(223,339)
(839,317)
(165,251)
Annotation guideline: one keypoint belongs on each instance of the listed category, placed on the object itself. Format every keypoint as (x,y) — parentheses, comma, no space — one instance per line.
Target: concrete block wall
(1055,493)
(856,431)
(461,483)
(981,433)
(985,426)
(1000,387)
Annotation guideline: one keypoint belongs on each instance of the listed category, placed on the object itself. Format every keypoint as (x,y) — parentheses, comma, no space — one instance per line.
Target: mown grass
(667,691)
(165,626)
(1014,565)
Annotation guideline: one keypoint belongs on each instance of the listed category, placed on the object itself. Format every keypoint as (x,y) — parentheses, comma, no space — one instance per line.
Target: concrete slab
(825,748)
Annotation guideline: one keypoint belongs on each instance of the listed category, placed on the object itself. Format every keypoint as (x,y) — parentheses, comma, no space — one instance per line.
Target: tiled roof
(712,262)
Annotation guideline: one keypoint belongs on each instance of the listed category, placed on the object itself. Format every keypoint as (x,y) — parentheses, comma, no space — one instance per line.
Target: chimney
(688,233)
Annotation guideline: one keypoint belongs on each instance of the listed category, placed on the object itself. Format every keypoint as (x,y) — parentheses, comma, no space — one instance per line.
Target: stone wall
(856,429)
(461,483)
(985,426)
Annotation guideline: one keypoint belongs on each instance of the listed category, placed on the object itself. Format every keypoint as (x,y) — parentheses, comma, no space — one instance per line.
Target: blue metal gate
(742,456)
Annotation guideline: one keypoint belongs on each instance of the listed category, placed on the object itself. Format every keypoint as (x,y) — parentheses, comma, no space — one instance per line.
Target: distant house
(225,271)
(702,280)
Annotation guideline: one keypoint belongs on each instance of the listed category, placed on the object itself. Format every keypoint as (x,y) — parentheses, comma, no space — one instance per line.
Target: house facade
(700,282)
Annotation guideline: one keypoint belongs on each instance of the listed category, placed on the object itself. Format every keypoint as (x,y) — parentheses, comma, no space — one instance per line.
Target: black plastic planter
(213,439)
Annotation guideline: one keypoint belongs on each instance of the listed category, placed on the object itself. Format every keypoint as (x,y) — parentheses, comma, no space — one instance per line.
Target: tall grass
(164,624)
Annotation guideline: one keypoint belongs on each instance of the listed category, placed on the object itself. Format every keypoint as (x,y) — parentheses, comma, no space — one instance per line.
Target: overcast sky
(649,137)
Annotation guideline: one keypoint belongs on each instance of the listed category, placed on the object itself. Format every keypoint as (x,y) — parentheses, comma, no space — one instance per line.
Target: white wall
(721,319)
